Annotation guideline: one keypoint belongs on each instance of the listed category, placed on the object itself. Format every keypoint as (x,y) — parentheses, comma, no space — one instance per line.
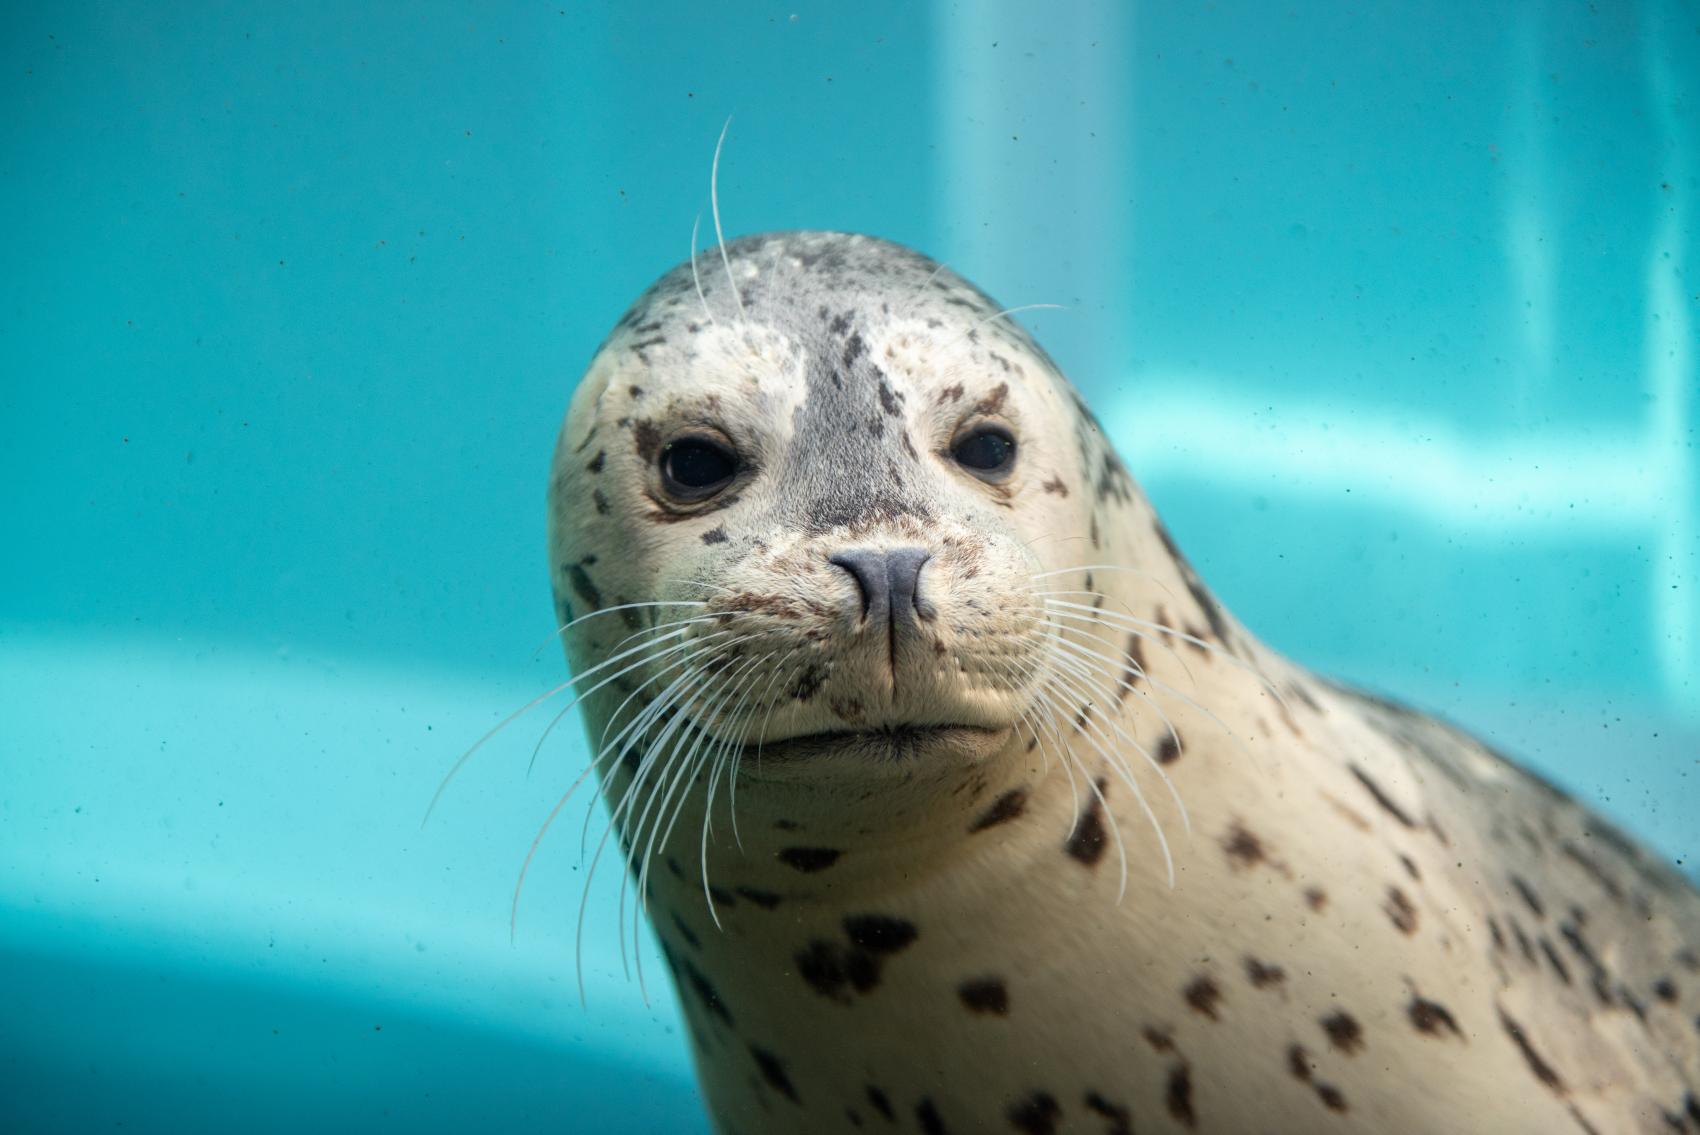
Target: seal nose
(890,583)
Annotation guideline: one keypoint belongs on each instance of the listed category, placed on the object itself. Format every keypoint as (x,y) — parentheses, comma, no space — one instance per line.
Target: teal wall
(1393,310)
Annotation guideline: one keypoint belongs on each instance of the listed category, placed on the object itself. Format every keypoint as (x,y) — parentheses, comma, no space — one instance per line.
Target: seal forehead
(801,284)
(836,300)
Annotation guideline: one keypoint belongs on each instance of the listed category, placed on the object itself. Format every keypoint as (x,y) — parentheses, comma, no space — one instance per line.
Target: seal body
(958,804)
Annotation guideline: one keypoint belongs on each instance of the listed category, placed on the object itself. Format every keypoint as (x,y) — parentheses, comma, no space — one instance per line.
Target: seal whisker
(1091,733)
(614,677)
(1203,644)
(590,767)
(1158,640)
(1048,719)
(723,754)
(720,755)
(738,754)
(689,765)
(694,761)
(1081,668)
(1140,572)
(1129,664)
(696,278)
(460,763)
(680,766)
(1071,759)
(714,206)
(566,626)
(685,766)
(650,713)
(711,639)
(652,758)
(1157,684)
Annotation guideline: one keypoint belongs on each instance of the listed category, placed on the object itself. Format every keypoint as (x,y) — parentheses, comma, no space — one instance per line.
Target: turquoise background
(1393,311)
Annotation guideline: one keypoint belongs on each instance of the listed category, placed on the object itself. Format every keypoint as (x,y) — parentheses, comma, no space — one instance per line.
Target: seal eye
(987,452)
(695,468)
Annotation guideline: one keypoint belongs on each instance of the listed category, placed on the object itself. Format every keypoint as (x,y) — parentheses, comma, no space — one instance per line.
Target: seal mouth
(890,743)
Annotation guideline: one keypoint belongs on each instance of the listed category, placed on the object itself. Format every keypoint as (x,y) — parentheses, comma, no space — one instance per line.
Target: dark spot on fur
(1005,808)
(1554,960)
(1381,797)
(1159,1039)
(597,462)
(1264,975)
(880,1104)
(1410,868)
(1523,942)
(687,933)
(1316,898)
(1542,1070)
(767,900)
(1400,911)
(951,393)
(1035,1115)
(1179,1095)
(809,859)
(1087,841)
(1529,897)
(822,965)
(1344,1032)
(647,439)
(706,993)
(715,535)
(1133,665)
(890,401)
(1056,486)
(1597,975)
(1665,990)
(1119,1119)
(584,588)
(985,995)
(1431,1017)
(1331,1097)
(1168,750)
(1244,849)
(1298,1063)
(880,933)
(600,500)
(928,1117)
(993,402)
(774,1073)
(808,683)
(1203,996)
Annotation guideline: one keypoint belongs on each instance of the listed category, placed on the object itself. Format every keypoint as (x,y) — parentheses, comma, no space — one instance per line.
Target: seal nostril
(868,569)
(889,582)
(903,571)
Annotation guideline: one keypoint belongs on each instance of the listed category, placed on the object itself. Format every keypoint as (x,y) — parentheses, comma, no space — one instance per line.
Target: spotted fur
(1378,923)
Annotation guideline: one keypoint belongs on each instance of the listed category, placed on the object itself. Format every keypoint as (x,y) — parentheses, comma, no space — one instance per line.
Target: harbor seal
(959,804)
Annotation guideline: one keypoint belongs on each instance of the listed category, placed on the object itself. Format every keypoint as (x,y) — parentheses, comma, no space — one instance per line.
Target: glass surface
(1393,314)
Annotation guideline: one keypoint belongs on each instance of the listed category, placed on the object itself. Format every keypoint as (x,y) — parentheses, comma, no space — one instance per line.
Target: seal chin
(898,743)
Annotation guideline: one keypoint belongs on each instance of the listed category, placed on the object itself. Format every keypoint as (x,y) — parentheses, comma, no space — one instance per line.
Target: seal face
(972,810)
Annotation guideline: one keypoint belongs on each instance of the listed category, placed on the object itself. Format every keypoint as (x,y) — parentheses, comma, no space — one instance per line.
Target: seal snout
(889,582)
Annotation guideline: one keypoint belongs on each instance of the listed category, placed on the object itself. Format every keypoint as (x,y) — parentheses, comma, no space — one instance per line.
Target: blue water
(1394,315)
